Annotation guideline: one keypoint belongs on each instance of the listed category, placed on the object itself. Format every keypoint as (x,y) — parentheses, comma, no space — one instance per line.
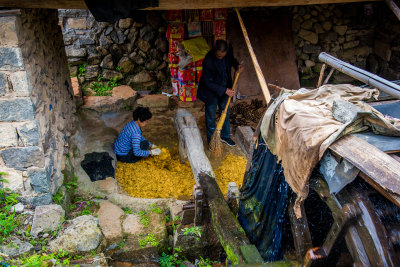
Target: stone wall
(36,103)
(365,35)
(134,49)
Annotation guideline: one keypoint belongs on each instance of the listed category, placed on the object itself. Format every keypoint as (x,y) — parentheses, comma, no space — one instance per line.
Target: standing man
(215,87)
(131,146)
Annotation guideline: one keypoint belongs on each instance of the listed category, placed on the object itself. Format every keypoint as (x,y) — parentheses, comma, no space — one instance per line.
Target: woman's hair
(142,114)
(221,45)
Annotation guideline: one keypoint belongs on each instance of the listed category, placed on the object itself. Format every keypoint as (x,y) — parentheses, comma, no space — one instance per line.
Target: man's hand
(155,152)
(240,68)
(229,92)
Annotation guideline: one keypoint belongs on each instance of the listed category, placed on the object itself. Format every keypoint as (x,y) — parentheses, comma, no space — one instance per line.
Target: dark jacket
(210,85)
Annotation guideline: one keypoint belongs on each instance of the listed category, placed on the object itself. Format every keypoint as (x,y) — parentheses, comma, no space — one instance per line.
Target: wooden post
(329,76)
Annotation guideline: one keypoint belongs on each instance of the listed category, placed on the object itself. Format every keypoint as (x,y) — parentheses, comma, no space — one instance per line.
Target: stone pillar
(36,103)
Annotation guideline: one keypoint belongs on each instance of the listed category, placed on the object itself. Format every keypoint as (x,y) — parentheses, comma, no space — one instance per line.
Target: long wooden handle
(260,76)
(223,114)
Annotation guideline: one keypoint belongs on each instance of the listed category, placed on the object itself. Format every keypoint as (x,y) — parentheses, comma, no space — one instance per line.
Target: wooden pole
(394,8)
(259,73)
(321,75)
(329,76)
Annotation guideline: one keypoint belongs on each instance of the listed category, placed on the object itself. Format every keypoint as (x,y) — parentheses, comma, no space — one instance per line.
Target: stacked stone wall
(363,34)
(134,50)
(36,103)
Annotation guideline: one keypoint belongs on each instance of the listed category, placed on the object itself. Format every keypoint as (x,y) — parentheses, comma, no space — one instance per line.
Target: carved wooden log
(231,235)
(191,144)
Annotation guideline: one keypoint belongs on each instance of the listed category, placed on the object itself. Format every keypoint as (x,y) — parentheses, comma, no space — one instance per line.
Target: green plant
(205,262)
(121,244)
(81,70)
(118,68)
(155,209)
(127,210)
(174,224)
(8,220)
(144,218)
(71,186)
(57,198)
(173,260)
(103,88)
(150,239)
(194,231)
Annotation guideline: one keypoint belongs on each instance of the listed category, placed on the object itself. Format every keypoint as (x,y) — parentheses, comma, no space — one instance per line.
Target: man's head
(141,116)
(220,49)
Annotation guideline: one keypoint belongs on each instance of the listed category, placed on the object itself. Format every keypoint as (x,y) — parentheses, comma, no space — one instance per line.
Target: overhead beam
(174,4)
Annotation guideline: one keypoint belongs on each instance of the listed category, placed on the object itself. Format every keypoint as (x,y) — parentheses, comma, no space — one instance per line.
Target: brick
(21,158)
(11,58)
(17,109)
(8,135)
(8,33)
(3,84)
(20,84)
(29,134)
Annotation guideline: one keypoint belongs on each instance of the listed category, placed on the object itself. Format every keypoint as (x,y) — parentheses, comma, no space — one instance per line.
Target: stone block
(21,158)
(124,91)
(16,109)
(29,134)
(8,33)
(108,186)
(8,135)
(20,84)
(329,37)
(40,179)
(75,52)
(16,248)
(11,58)
(125,23)
(154,101)
(3,84)
(46,218)
(244,135)
(143,45)
(351,44)
(111,74)
(38,199)
(76,23)
(312,37)
(382,50)
(15,180)
(141,77)
(341,30)
(91,72)
(110,221)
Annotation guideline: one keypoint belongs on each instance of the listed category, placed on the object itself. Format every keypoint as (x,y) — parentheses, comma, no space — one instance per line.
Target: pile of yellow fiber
(160,176)
(164,176)
(231,169)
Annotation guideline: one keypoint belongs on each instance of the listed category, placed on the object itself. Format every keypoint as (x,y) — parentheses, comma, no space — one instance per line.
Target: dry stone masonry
(365,35)
(36,103)
(134,50)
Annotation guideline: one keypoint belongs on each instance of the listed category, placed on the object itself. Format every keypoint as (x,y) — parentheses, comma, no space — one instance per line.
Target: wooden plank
(280,69)
(260,75)
(175,4)
(382,170)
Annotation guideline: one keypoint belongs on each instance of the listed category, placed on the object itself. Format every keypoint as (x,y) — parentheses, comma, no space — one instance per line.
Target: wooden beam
(381,171)
(231,235)
(175,4)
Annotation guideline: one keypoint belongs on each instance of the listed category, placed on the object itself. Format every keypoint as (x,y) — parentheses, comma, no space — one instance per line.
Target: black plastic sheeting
(262,208)
(113,10)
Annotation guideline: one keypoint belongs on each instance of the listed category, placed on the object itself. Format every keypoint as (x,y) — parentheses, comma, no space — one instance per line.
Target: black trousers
(130,157)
